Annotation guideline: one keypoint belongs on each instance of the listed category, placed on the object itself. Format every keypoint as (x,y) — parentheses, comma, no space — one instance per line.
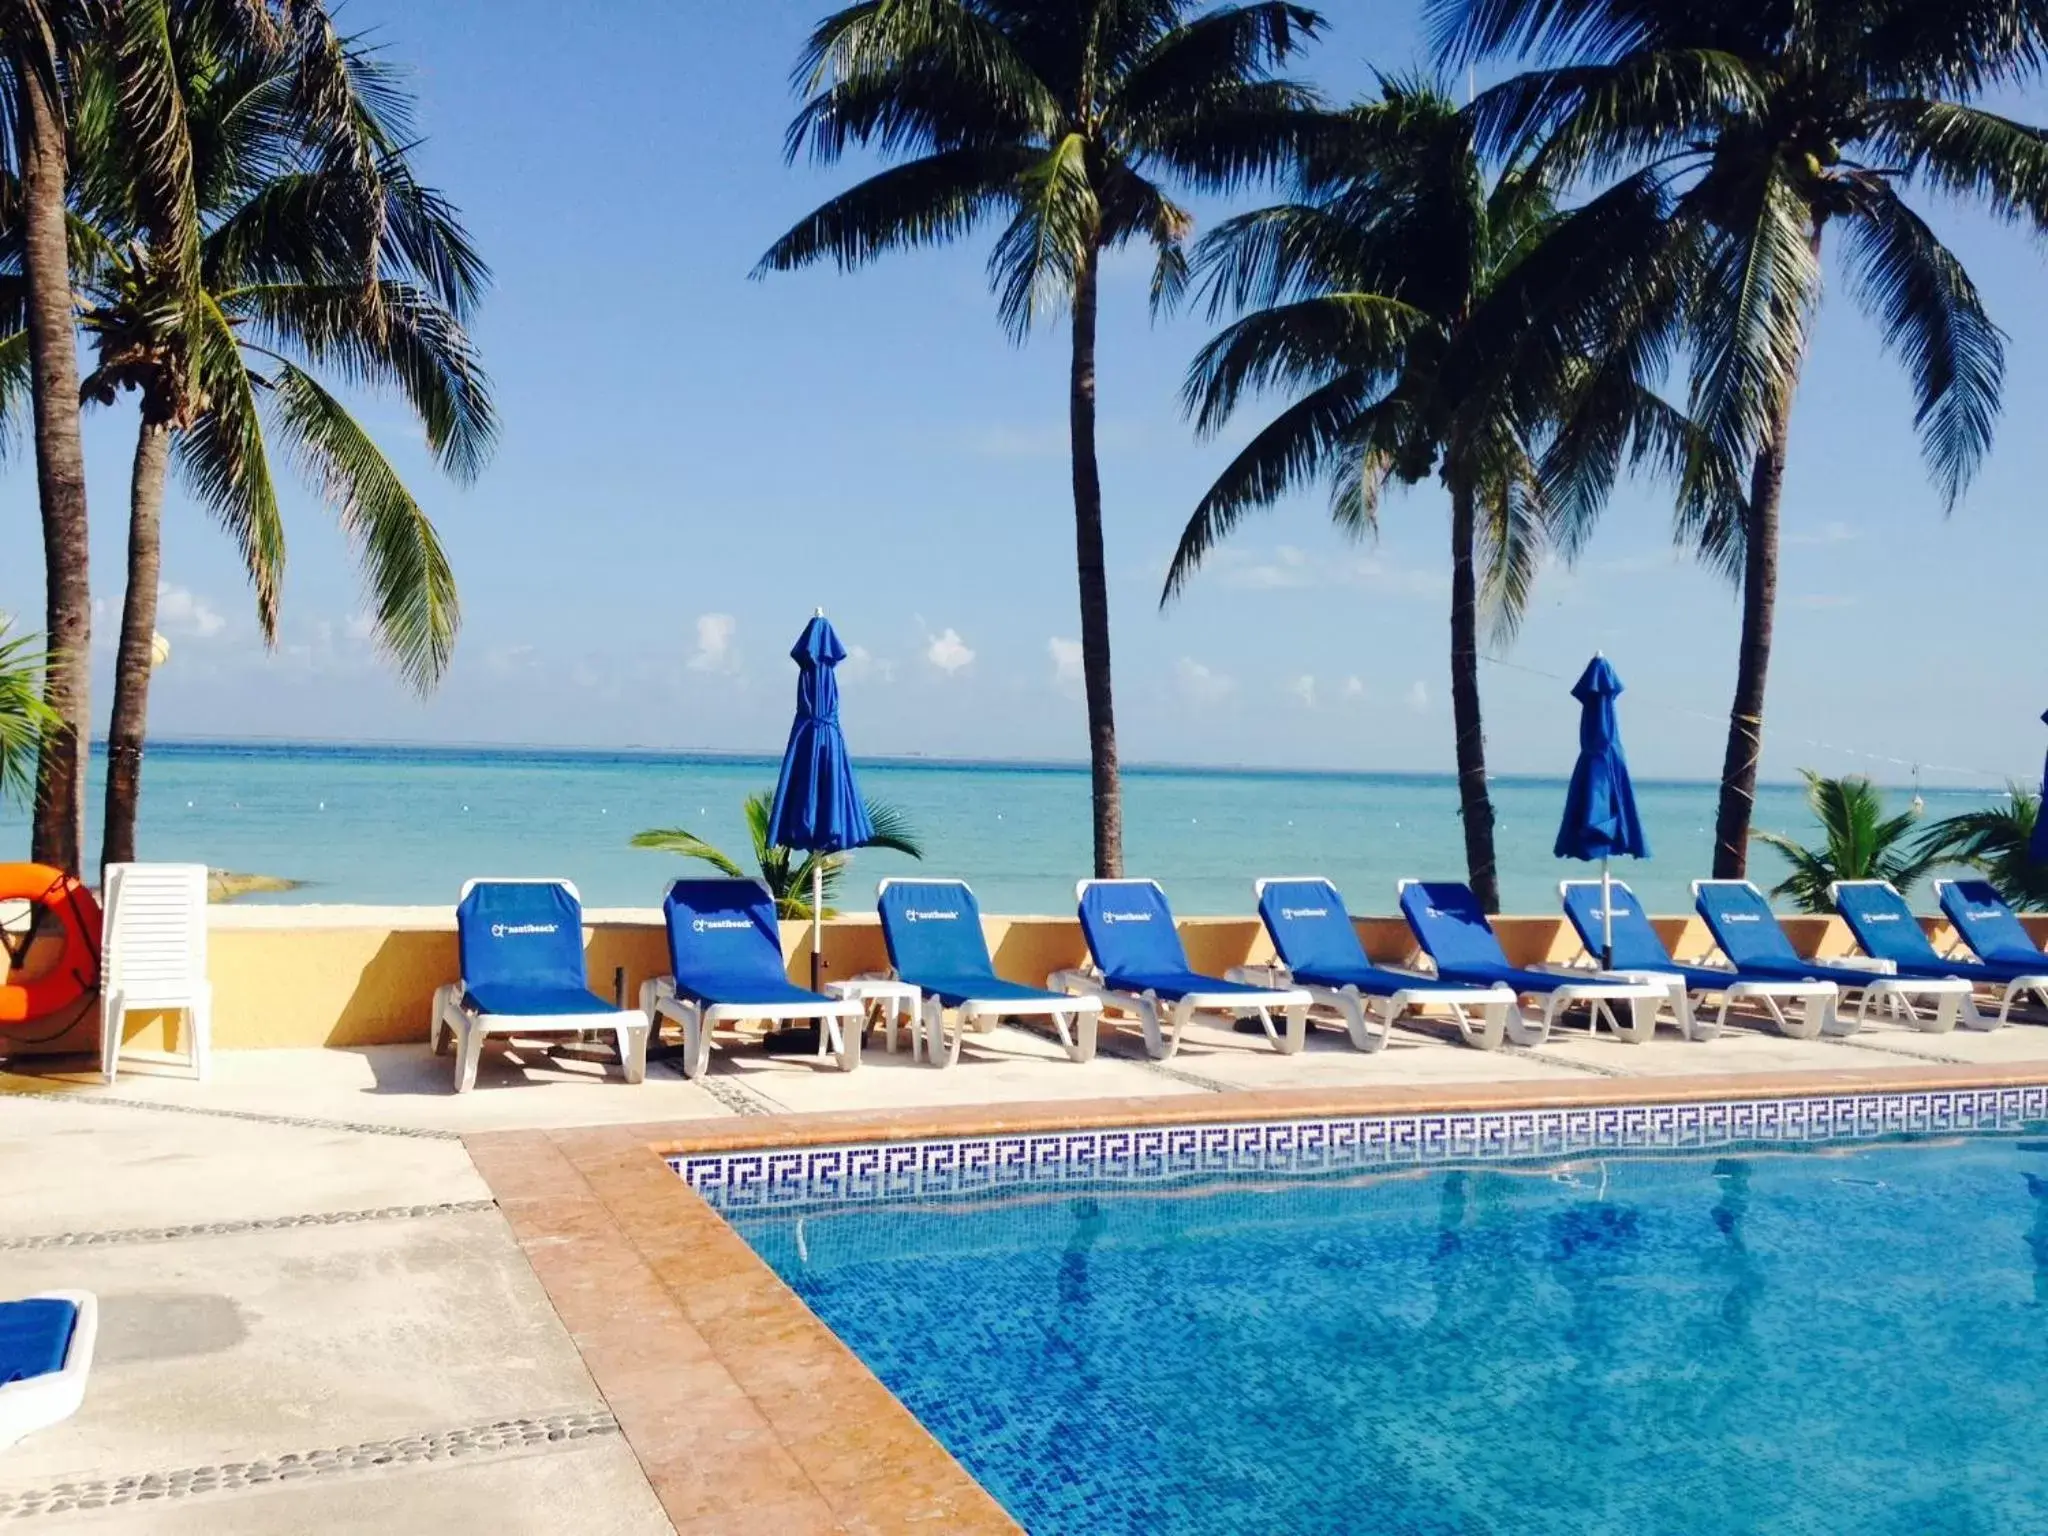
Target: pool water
(1825,1341)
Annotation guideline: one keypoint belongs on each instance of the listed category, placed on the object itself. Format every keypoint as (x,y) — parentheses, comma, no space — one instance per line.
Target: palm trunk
(58,836)
(1475,805)
(128,729)
(1108,792)
(1759,605)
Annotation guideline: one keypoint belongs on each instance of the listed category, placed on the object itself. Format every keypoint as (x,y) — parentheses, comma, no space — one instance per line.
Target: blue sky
(692,461)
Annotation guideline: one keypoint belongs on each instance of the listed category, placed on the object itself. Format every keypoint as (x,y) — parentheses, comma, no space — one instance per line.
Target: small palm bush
(1994,842)
(1859,842)
(786,871)
(23,714)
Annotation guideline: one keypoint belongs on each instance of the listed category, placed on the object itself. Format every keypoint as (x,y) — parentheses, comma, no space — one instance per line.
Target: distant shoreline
(401,751)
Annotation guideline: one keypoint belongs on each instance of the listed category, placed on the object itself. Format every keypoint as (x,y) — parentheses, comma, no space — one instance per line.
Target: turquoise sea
(409,824)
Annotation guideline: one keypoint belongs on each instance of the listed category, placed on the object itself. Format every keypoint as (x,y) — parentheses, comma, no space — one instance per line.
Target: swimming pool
(1752,1335)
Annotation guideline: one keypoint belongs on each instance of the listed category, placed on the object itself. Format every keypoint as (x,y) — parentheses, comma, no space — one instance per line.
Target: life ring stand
(55,900)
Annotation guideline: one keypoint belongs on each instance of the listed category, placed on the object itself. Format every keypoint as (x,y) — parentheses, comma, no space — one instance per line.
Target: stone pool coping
(748,1415)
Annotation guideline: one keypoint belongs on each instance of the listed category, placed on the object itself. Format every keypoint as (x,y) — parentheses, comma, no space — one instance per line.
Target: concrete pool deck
(339,1297)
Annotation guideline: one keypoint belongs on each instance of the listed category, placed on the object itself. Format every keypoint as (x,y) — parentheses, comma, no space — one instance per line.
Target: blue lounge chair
(725,964)
(46,1345)
(1887,929)
(1989,927)
(1749,934)
(1640,955)
(1141,968)
(1451,926)
(933,931)
(1319,952)
(521,944)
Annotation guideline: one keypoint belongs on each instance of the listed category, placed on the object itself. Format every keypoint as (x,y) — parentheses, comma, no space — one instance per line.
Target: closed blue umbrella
(2037,844)
(818,807)
(1600,820)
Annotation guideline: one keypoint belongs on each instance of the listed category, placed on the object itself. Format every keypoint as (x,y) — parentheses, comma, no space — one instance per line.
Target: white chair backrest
(154,940)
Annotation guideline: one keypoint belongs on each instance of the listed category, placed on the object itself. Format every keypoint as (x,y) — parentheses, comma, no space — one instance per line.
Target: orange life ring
(67,905)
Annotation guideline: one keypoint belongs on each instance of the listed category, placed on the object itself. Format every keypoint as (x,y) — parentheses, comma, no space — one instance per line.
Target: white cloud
(861,663)
(715,652)
(1418,696)
(1066,661)
(1354,689)
(180,611)
(1304,689)
(1202,684)
(361,627)
(948,652)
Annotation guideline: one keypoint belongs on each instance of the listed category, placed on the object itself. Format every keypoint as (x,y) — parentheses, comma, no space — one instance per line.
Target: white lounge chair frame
(1895,992)
(467,1030)
(699,1021)
(40,1401)
(1369,1030)
(1971,1016)
(1162,1022)
(1599,996)
(153,959)
(1077,1022)
(1816,1014)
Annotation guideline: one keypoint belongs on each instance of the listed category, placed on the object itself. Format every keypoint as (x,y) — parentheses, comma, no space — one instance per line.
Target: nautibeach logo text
(515,930)
(712,924)
(1127,917)
(921,915)
(1289,914)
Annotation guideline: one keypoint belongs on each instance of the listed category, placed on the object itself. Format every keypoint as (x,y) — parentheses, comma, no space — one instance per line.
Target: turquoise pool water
(1758,1340)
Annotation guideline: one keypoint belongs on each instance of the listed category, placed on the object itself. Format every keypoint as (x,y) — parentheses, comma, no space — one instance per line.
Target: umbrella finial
(817,613)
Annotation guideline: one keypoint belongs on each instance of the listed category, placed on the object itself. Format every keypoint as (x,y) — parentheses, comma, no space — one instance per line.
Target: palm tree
(24,715)
(1065,117)
(1858,842)
(1742,133)
(35,37)
(39,40)
(317,250)
(1996,842)
(785,871)
(1391,292)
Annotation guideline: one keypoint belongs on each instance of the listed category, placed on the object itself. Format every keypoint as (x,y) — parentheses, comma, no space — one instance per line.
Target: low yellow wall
(374,984)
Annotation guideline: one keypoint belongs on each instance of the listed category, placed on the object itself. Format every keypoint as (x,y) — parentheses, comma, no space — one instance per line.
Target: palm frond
(225,464)
(1057,227)
(923,202)
(24,717)
(1929,313)
(1304,345)
(687,845)
(405,572)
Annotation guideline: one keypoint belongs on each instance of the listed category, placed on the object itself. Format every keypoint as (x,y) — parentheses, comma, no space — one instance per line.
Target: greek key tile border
(778,1178)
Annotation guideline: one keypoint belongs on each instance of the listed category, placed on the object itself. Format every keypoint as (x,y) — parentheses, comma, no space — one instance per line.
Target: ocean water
(405,825)
(1795,1342)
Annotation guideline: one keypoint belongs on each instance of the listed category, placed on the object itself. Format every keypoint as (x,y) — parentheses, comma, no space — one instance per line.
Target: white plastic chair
(153,959)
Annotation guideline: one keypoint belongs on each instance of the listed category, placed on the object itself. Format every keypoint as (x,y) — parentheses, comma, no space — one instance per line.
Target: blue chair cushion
(1173,985)
(1451,927)
(521,933)
(509,999)
(35,1336)
(1989,926)
(955,990)
(933,928)
(1130,929)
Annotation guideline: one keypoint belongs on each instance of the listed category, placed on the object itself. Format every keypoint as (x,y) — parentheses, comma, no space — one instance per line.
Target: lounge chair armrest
(1260,976)
(1863,963)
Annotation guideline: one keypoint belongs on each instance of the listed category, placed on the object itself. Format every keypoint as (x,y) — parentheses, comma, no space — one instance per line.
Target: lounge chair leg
(1086,1022)
(632,1042)
(696,1043)
(1296,1037)
(113,1011)
(1491,1031)
(1521,1031)
(469,1050)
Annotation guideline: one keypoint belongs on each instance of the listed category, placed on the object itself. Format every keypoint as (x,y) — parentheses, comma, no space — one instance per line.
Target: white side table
(892,1003)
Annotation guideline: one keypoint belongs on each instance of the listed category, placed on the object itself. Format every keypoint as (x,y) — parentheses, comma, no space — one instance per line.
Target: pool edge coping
(693,1339)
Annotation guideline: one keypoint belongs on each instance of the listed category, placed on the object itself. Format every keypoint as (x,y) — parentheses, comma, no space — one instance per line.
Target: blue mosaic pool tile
(785,1178)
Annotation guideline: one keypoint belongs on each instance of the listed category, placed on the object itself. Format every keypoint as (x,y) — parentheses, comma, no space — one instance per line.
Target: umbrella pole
(1606,918)
(817,923)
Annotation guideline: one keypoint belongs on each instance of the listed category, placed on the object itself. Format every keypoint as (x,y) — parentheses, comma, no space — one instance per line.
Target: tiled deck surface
(312,1306)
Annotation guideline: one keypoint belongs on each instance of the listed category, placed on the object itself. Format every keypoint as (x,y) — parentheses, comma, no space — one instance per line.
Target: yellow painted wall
(328,986)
